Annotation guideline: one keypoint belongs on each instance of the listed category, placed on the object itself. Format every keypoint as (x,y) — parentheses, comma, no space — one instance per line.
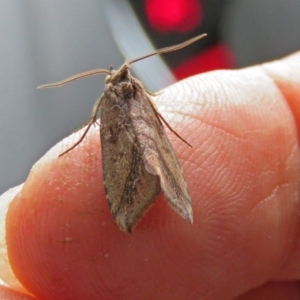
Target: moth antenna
(170,48)
(75,77)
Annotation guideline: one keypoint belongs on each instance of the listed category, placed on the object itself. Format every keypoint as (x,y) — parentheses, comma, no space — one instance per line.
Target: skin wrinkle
(223,130)
(277,187)
(212,91)
(210,154)
(277,85)
(294,150)
(269,197)
(228,86)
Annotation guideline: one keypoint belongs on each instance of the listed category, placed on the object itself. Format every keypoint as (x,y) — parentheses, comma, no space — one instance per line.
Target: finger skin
(243,176)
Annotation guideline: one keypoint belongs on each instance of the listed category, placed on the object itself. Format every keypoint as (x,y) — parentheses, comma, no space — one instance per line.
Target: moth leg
(154,94)
(89,123)
(161,118)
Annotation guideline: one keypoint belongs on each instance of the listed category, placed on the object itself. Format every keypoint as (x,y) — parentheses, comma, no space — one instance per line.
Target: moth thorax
(127,89)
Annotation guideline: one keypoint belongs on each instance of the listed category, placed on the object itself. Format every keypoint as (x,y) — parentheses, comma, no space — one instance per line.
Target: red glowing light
(174,15)
(216,57)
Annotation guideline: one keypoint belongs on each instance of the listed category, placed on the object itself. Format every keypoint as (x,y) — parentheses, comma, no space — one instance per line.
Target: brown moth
(137,157)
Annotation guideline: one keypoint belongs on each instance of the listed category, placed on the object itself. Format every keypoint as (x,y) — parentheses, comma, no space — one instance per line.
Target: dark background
(45,41)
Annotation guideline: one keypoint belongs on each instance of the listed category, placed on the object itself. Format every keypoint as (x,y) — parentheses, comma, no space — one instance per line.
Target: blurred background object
(142,26)
(45,41)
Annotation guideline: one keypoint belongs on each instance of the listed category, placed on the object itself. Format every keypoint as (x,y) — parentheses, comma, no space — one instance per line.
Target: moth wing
(130,189)
(159,156)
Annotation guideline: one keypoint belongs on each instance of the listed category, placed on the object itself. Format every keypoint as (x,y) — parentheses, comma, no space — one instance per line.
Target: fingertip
(6,273)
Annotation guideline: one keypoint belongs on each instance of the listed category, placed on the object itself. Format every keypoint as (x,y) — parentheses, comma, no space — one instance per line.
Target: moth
(137,157)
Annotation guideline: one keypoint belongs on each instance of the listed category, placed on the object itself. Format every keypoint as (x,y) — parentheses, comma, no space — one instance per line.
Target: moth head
(120,75)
